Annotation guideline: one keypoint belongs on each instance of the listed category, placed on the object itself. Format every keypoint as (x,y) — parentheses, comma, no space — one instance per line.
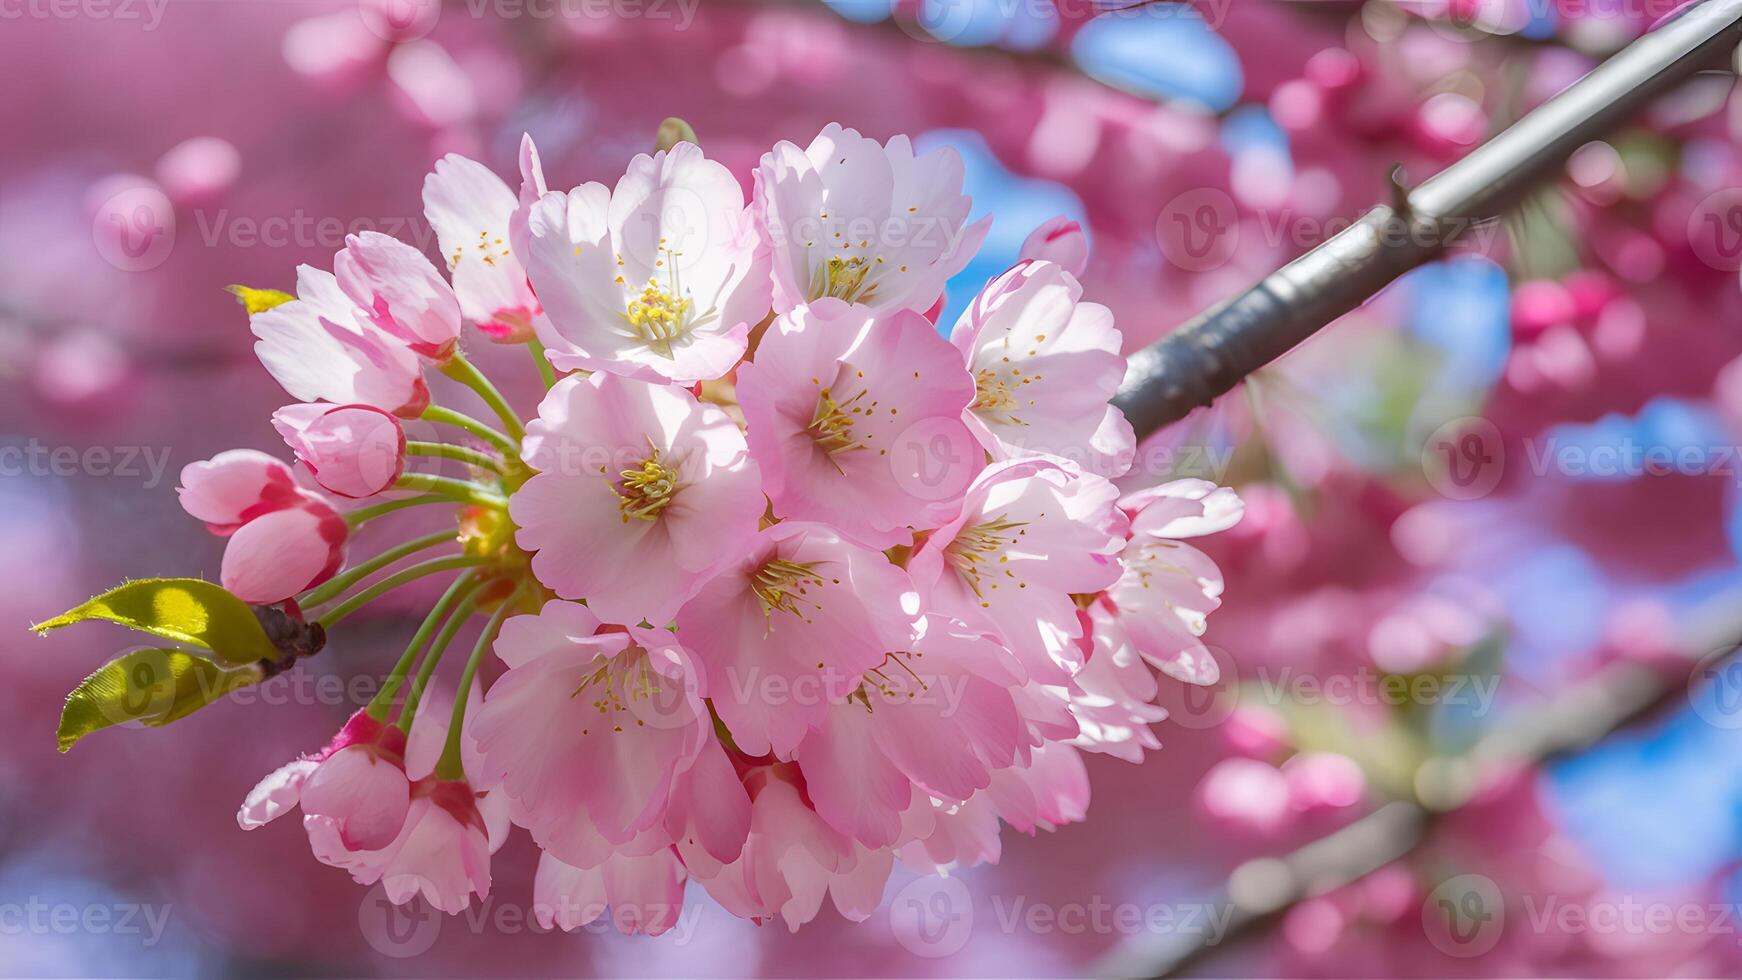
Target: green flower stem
(362,515)
(331,588)
(442,450)
(386,585)
(383,701)
(546,373)
(447,416)
(451,766)
(463,371)
(462,613)
(462,491)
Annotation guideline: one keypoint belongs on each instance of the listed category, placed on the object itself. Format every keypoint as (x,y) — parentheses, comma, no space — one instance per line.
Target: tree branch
(1224,344)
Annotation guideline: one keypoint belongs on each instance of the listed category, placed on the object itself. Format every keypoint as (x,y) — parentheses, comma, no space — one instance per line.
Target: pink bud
(1059,240)
(352,450)
(400,291)
(277,555)
(234,487)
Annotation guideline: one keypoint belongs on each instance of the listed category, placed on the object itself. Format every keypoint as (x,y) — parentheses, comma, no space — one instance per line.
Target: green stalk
(463,371)
(462,491)
(331,588)
(442,450)
(451,766)
(383,701)
(447,416)
(546,373)
(462,613)
(386,585)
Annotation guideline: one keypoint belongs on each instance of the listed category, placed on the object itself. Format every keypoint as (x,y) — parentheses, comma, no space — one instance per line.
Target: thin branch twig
(1221,346)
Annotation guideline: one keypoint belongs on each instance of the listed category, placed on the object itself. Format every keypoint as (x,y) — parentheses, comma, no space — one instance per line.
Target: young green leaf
(186,610)
(259,300)
(147,687)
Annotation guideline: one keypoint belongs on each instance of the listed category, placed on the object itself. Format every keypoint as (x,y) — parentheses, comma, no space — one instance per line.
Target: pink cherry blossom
(400,292)
(586,731)
(793,627)
(321,347)
(1031,533)
(1059,240)
(282,539)
(793,859)
(644,894)
(643,493)
(1045,366)
(855,419)
(1114,696)
(351,450)
(357,781)
(852,219)
(660,280)
(936,719)
(471,210)
(1168,587)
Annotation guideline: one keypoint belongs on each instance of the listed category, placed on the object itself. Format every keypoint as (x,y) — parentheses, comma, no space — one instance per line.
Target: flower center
(782,585)
(657,317)
(979,547)
(887,688)
(646,490)
(832,423)
(617,681)
(845,279)
(996,395)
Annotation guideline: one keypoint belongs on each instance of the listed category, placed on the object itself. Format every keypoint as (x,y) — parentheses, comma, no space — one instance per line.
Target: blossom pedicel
(785,585)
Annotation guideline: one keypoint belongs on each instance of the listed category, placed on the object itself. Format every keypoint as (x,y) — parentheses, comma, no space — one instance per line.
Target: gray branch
(1221,346)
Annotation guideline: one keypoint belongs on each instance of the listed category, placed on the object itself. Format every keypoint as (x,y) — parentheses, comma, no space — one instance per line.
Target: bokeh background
(1488,573)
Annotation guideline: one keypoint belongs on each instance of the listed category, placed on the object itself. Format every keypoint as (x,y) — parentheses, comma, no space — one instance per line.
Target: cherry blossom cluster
(784,582)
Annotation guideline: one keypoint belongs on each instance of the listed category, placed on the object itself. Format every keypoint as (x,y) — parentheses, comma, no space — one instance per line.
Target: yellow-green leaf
(186,610)
(146,687)
(259,300)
